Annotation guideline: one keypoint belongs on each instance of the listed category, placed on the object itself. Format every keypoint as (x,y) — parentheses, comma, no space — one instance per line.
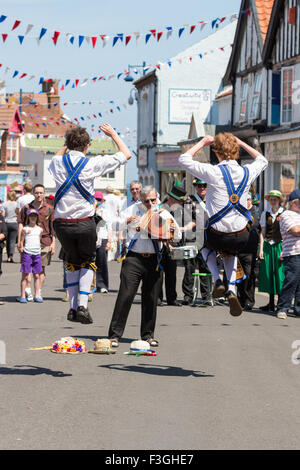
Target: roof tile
(264,11)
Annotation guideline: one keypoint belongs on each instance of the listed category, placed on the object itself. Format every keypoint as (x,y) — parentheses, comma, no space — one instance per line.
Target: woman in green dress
(271,272)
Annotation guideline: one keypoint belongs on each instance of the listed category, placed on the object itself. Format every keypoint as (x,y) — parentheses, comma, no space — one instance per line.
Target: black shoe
(187,302)
(248,307)
(176,303)
(219,289)
(234,304)
(72,315)
(83,316)
(160,303)
(267,308)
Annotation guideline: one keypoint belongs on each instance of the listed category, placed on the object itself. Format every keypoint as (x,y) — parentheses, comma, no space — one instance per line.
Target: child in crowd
(30,247)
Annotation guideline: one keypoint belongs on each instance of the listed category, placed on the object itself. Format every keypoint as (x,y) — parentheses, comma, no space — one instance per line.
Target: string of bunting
(117,38)
(79,82)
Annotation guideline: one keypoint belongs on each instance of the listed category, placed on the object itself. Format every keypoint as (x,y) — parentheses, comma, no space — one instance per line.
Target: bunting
(120,38)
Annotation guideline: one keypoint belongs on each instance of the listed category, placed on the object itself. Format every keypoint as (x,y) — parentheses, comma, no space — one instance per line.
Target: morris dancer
(74,223)
(228,185)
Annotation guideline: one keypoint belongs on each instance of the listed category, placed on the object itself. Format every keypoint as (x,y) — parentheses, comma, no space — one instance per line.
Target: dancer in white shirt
(228,185)
(74,224)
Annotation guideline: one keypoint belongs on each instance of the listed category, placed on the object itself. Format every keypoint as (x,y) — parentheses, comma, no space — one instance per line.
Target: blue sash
(72,179)
(234,197)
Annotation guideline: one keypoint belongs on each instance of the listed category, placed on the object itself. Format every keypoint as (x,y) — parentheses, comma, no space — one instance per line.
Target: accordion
(156,227)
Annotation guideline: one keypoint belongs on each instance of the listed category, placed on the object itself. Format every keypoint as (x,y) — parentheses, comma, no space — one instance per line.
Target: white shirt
(290,244)
(143,243)
(32,244)
(216,192)
(23,200)
(103,225)
(113,206)
(72,205)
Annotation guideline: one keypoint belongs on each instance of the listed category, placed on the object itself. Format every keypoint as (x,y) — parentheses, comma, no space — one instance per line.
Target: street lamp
(134,97)
(129,78)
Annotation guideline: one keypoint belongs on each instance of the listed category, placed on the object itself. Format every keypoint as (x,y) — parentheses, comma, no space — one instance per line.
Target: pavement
(218,382)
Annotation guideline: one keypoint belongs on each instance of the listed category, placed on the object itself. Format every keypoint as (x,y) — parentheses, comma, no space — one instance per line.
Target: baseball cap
(294,195)
(50,196)
(98,195)
(32,211)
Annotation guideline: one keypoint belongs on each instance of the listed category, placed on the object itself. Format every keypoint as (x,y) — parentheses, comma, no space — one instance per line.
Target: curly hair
(77,139)
(226,146)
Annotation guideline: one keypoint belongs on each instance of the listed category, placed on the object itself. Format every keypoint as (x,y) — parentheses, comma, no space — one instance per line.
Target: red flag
(100,78)
(65,104)
(158,66)
(153,32)
(192,28)
(159,35)
(23,75)
(222,19)
(55,37)
(62,88)
(94,40)
(17,22)
(127,39)
(76,82)
(4,36)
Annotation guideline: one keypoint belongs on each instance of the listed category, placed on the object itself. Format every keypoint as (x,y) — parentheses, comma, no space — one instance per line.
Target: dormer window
(12,148)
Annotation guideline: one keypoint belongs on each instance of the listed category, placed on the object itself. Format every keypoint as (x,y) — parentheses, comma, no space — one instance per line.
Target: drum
(155,226)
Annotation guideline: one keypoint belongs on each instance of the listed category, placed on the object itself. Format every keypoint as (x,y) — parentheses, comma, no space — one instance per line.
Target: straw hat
(140,348)
(102,346)
(274,193)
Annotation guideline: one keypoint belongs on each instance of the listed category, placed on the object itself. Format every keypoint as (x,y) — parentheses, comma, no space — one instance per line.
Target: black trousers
(78,240)
(101,262)
(190,266)
(169,272)
(12,233)
(136,269)
(224,243)
(246,289)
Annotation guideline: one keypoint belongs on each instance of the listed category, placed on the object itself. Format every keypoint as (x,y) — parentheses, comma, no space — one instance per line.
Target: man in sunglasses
(142,264)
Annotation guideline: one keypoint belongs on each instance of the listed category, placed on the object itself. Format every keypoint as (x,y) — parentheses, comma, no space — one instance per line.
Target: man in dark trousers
(197,206)
(3,235)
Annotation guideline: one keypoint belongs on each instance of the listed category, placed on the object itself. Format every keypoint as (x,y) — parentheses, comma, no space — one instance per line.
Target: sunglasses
(201,185)
(150,200)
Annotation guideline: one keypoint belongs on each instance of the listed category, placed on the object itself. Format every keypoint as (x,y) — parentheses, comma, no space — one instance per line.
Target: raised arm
(110,132)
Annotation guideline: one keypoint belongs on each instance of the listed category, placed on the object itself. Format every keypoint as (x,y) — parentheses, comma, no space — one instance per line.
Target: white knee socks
(72,279)
(210,258)
(230,266)
(85,282)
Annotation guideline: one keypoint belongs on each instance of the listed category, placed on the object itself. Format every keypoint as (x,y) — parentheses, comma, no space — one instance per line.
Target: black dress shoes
(83,315)
(176,303)
(72,315)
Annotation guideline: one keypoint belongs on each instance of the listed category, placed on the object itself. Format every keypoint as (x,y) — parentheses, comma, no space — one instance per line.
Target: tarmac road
(218,382)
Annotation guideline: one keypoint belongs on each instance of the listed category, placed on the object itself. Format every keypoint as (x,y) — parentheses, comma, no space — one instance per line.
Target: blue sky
(92,18)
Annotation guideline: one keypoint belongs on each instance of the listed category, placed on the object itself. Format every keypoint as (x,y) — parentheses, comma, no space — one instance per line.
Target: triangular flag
(42,33)
(159,35)
(67,82)
(137,36)
(76,82)
(80,40)
(169,31)
(127,39)
(15,73)
(203,24)
(28,29)
(104,39)
(153,32)
(192,28)
(180,32)
(21,39)
(41,80)
(4,36)
(2,18)
(23,75)
(55,37)
(147,37)
(84,82)
(87,38)
(16,24)
(94,40)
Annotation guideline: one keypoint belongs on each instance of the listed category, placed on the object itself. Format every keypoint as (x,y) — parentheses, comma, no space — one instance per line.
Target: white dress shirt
(216,192)
(72,205)
(103,225)
(144,244)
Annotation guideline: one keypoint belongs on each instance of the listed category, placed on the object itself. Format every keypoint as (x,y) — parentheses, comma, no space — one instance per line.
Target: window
(244,96)
(256,96)
(12,149)
(287,92)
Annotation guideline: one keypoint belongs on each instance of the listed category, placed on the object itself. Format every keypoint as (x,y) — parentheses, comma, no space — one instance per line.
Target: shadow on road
(32,370)
(168,371)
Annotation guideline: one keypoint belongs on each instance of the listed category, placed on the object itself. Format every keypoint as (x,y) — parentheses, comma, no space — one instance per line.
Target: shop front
(283,154)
